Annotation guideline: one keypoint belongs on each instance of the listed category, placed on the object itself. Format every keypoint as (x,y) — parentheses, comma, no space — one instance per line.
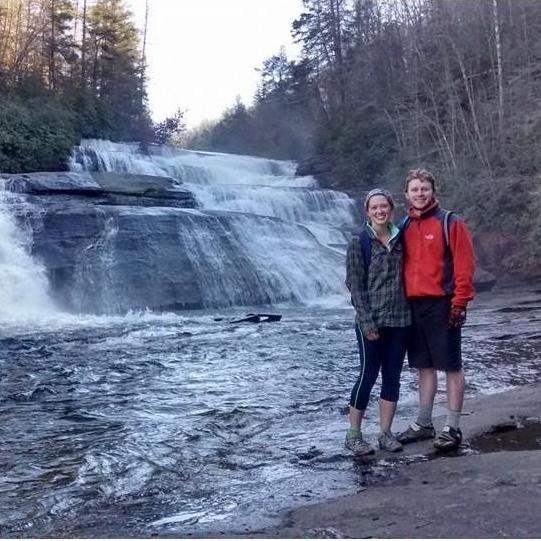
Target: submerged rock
(258,318)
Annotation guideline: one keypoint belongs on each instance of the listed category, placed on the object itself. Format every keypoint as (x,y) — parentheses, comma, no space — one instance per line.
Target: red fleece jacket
(424,261)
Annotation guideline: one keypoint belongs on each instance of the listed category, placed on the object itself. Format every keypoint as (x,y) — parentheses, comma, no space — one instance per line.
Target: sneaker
(388,442)
(358,445)
(416,432)
(449,439)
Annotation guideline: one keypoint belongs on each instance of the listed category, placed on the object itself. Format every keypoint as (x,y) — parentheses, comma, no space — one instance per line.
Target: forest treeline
(381,86)
(386,85)
(68,69)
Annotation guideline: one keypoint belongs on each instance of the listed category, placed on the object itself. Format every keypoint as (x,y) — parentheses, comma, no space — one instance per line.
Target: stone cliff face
(98,235)
(114,242)
(100,188)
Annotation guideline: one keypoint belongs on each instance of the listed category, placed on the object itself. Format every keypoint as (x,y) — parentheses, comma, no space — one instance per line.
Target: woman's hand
(372,335)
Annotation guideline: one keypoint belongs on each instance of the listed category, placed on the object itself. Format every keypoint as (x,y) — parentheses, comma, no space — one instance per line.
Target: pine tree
(115,74)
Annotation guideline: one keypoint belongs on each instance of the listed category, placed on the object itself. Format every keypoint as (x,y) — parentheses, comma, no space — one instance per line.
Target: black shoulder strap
(446,218)
(446,224)
(448,283)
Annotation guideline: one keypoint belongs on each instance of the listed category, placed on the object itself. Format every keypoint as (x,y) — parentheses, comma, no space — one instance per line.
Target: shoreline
(468,494)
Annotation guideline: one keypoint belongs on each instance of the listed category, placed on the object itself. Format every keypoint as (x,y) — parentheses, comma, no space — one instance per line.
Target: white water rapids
(24,289)
(228,182)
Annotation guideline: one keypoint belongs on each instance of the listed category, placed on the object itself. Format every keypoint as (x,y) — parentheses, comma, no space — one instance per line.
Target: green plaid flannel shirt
(379,299)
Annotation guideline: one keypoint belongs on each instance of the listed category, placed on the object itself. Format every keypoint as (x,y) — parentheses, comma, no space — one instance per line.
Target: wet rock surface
(518,435)
(99,188)
(490,488)
(114,242)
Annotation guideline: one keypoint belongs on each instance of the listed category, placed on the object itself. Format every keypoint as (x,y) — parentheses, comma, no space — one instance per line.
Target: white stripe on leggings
(362,371)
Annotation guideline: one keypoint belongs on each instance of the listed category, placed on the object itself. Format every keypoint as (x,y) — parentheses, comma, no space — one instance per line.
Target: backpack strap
(448,282)
(403,225)
(446,218)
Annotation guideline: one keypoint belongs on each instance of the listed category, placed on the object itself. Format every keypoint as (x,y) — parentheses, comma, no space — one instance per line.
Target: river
(179,424)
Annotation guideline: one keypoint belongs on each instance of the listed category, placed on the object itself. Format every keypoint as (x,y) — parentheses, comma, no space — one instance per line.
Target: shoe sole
(447,446)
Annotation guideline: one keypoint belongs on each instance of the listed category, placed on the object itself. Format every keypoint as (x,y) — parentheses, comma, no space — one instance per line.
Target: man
(438,273)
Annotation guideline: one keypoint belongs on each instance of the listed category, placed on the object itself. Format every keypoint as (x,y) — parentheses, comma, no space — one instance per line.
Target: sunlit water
(179,424)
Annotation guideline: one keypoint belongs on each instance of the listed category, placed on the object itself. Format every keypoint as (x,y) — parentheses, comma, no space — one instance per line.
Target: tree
(170,131)
(79,59)
(115,76)
(321,29)
(59,42)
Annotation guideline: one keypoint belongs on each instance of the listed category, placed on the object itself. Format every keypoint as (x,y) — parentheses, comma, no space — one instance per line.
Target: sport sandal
(388,442)
(416,432)
(449,438)
(358,445)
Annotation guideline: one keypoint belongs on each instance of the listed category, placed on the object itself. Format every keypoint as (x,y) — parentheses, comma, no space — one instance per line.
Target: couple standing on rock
(410,287)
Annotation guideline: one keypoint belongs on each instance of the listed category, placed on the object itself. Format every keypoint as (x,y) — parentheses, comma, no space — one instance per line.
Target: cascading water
(260,234)
(230,183)
(23,284)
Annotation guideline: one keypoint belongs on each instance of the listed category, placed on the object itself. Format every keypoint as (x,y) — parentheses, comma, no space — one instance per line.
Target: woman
(374,278)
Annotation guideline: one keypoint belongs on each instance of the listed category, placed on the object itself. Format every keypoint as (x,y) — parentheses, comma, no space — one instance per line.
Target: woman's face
(419,193)
(379,210)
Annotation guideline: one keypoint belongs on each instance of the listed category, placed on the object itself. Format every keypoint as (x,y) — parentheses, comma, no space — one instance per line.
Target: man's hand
(457,317)
(372,335)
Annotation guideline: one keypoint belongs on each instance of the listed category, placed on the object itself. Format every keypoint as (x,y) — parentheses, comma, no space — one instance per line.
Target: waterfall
(260,234)
(231,183)
(244,260)
(169,229)
(23,280)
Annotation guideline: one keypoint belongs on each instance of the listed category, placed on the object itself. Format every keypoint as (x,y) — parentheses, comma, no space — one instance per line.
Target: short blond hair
(420,174)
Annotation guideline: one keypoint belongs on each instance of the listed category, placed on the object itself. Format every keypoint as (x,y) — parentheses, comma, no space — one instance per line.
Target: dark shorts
(431,343)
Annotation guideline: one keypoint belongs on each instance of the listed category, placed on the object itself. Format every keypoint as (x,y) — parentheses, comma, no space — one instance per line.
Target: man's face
(379,210)
(419,193)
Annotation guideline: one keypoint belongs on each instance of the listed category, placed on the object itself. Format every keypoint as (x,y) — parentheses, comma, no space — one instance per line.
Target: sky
(202,54)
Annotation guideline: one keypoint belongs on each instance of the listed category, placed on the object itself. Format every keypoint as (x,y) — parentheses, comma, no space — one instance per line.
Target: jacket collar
(394,234)
(393,231)
(429,210)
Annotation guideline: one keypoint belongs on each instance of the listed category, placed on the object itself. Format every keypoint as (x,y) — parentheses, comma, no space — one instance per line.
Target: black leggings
(387,353)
